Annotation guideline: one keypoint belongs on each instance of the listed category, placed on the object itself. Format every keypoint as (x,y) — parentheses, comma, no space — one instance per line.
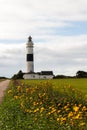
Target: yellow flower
(50,107)
(40,95)
(27,90)
(75,108)
(59,104)
(80,105)
(70,114)
(62,119)
(16,97)
(19,88)
(41,103)
(82,124)
(58,111)
(58,119)
(35,119)
(53,110)
(35,103)
(77,116)
(9,91)
(48,113)
(31,98)
(84,108)
(42,109)
(28,111)
(66,108)
(36,110)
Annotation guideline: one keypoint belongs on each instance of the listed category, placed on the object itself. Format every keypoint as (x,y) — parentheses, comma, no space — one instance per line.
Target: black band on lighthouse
(29,57)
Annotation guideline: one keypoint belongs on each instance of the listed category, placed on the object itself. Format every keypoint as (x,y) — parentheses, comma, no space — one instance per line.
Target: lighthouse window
(29,57)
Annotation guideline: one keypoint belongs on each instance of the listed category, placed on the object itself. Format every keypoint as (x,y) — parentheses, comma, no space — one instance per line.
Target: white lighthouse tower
(30,65)
(29,55)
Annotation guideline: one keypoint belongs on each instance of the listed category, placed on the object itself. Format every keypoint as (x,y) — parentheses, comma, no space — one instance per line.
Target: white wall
(29,50)
(30,66)
(36,76)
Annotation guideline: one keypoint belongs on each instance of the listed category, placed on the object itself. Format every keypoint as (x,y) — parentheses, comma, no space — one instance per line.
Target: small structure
(30,64)
(39,75)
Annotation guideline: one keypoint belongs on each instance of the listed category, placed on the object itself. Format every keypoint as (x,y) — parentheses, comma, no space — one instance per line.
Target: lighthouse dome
(30,42)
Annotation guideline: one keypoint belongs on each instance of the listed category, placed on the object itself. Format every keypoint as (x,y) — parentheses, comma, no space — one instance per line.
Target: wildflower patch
(40,106)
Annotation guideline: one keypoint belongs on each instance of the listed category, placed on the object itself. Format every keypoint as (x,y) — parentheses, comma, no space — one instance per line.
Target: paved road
(3,87)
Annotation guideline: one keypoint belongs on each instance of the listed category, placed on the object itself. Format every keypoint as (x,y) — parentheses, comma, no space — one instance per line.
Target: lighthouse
(29,55)
(30,64)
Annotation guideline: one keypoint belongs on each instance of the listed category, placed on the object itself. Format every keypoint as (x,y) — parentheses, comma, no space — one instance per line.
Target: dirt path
(3,87)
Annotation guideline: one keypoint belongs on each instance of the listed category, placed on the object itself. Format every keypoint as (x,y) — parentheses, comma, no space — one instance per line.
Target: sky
(58,30)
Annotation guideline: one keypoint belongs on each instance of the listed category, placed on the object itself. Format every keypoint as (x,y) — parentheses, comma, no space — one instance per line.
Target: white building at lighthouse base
(39,75)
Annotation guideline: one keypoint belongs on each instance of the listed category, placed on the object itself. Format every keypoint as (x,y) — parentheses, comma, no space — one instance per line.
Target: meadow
(59,104)
(78,83)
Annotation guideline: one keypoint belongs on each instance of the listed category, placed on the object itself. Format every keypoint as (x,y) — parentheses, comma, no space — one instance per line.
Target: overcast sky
(58,29)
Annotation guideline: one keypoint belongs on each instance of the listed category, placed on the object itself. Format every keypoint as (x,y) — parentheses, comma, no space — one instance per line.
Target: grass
(45,104)
(80,84)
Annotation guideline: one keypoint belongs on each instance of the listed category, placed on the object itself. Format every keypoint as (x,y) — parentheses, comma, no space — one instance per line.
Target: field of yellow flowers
(41,107)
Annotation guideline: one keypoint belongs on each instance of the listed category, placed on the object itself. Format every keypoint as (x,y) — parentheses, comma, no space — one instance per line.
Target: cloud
(58,32)
(21,18)
(64,52)
(63,55)
(12,58)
